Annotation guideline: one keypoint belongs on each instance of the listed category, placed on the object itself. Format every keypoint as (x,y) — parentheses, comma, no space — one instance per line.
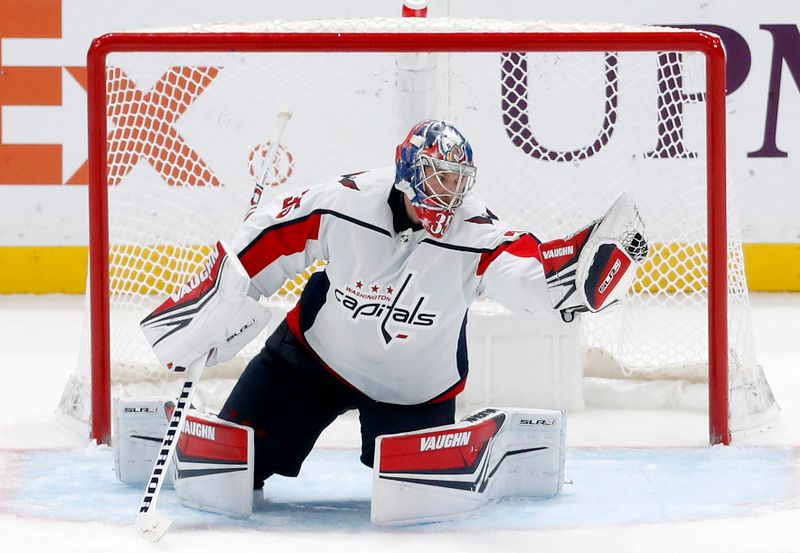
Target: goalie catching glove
(594,267)
(211,314)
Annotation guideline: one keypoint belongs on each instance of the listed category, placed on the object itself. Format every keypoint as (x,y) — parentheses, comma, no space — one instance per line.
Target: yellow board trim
(772,267)
(62,269)
(43,269)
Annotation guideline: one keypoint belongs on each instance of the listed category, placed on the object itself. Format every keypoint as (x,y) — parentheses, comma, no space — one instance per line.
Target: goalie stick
(283,118)
(193,327)
(152,525)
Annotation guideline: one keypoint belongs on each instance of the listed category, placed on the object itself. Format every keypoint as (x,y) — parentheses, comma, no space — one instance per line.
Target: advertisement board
(43,136)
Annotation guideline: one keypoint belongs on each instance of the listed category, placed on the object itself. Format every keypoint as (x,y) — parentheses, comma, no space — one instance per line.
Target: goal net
(562,119)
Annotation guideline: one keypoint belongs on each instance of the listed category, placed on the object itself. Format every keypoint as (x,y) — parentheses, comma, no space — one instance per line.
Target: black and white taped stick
(272,153)
(152,525)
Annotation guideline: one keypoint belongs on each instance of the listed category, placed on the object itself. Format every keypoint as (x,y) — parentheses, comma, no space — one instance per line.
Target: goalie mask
(434,168)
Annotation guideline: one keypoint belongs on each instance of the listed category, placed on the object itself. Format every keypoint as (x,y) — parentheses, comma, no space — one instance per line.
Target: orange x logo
(144,126)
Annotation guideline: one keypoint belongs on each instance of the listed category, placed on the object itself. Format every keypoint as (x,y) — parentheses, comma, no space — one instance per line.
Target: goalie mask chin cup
(434,220)
(434,168)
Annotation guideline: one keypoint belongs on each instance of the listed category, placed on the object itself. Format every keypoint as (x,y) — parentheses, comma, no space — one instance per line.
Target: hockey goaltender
(382,329)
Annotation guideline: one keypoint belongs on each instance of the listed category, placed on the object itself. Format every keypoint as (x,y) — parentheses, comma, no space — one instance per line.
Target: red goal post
(436,39)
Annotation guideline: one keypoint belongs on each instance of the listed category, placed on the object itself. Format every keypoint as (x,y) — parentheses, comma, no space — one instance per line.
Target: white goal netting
(557,136)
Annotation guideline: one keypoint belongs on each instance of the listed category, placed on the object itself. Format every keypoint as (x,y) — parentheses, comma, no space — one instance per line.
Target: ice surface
(610,486)
(60,494)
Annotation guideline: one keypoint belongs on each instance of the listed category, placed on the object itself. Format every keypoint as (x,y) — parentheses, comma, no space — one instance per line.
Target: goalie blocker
(210,315)
(593,268)
(440,473)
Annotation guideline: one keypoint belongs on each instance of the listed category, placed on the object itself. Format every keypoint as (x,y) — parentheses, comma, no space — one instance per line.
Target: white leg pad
(214,466)
(535,447)
(448,471)
(139,427)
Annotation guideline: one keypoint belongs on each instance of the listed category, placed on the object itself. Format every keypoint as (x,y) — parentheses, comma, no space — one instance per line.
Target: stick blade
(151,526)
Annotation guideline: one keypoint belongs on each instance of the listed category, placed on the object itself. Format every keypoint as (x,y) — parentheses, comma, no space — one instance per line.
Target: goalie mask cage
(562,119)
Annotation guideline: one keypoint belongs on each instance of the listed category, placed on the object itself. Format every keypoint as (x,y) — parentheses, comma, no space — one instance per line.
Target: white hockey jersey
(388,314)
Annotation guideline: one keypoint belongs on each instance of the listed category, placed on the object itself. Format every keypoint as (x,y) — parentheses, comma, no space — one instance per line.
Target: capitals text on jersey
(387,309)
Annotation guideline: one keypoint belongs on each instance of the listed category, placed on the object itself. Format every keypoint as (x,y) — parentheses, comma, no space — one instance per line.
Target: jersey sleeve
(281,238)
(511,274)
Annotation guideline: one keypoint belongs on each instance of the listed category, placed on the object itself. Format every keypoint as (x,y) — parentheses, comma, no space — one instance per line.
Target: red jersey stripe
(525,246)
(277,242)
(452,392)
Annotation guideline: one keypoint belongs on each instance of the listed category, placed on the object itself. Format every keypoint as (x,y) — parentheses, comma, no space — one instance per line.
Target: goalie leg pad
(448,471)
(214,466)
(535,449)
(139,427)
